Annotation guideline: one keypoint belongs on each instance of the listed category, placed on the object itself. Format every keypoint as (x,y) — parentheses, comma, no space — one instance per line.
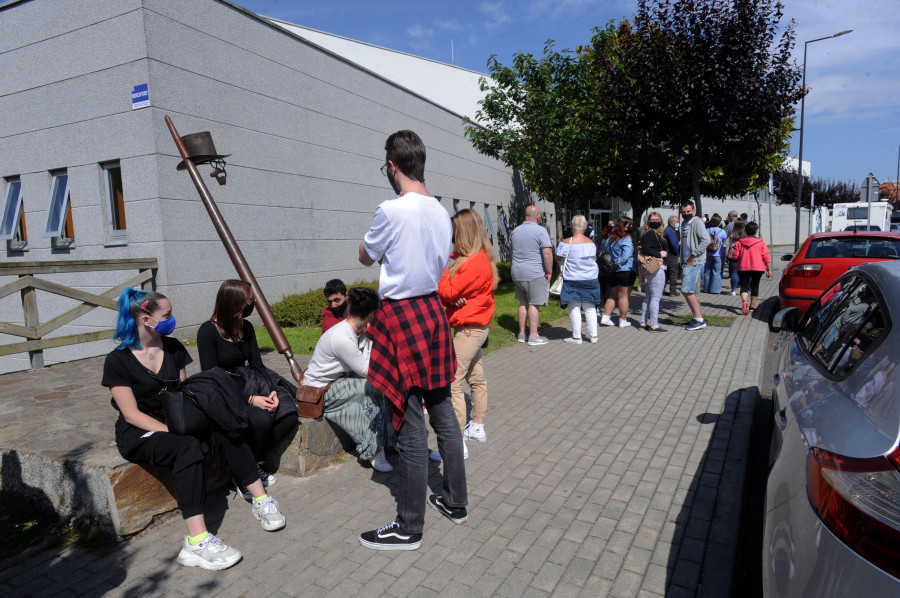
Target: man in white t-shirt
(412,360)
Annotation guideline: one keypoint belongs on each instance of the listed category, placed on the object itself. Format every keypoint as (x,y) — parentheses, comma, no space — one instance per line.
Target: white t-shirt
(411,236)
(338,352)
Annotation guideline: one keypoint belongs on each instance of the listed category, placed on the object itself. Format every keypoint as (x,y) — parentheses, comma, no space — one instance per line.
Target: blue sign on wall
(140,96)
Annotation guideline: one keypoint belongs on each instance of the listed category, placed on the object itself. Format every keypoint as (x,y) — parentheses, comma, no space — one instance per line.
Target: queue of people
(387,359)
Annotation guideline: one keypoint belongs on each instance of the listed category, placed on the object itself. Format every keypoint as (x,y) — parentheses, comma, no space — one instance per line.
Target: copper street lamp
(800,156)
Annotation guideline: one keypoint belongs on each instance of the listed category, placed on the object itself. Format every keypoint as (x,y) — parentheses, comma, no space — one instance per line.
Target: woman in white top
(341,358)
(581,288)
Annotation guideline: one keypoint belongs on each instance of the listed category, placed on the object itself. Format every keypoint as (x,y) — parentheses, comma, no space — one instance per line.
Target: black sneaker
(457,515)
(390,537)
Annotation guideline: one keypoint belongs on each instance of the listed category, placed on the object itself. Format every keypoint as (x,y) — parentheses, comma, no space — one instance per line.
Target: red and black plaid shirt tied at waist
(411,347)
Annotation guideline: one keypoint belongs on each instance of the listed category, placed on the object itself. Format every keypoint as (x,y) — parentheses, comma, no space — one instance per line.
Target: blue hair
(131,303)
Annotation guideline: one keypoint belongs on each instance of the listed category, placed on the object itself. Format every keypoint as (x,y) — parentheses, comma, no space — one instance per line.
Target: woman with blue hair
(146,363)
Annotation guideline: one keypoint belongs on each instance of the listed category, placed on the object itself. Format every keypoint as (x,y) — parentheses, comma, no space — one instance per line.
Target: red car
(824,257)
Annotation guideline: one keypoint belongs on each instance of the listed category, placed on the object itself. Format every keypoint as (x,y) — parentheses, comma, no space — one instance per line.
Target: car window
(845,323)
(853,247)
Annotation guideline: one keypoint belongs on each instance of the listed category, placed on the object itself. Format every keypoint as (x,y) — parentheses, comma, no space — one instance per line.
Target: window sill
(116,243)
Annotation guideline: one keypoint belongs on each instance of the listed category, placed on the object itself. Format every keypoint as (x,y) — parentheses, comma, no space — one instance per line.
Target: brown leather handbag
(311,399)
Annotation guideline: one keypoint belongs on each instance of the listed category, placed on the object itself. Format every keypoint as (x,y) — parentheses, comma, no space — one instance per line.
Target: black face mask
(687,216)
(248,309)
(629,230)
(655,224)
(338,312)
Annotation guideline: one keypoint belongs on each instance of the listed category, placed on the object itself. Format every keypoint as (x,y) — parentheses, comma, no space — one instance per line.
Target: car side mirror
(787,257)
(786,320)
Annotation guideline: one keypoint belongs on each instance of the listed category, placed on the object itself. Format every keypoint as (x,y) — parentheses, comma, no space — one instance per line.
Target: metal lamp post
(800,152)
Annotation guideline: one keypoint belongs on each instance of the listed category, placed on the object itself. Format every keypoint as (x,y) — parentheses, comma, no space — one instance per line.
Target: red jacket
(474,280)
(751,254)
(328,319)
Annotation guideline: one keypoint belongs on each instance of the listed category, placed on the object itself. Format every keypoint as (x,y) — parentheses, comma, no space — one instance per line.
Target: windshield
(854,247)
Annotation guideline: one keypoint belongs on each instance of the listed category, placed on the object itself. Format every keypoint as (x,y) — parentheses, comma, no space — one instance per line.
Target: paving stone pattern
(611,469)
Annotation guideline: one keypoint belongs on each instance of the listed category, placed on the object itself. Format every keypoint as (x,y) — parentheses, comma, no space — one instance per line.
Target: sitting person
(341,359)
(336,294)
(227,340)
(146,363)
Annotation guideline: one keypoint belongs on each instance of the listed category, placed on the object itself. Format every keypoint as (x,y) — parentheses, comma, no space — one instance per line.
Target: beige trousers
(467,341)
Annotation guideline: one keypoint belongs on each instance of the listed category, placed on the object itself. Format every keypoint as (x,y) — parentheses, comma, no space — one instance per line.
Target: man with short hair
(694,241)
(672,259)
(335,292)
(532,266)
(412,360)
(732,218)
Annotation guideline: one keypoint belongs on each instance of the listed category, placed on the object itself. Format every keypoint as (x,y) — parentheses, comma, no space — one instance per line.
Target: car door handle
(781,420)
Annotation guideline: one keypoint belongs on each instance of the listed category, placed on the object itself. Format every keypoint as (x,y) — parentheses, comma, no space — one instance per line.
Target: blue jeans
(689,276)
(735,277)
(412,445)
(712,274)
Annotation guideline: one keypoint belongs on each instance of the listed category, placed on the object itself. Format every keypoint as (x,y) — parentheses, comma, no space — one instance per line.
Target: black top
(122,368)
(652,244)
(215,351)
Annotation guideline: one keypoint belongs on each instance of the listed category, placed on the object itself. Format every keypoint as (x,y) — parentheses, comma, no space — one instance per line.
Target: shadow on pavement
(707,543)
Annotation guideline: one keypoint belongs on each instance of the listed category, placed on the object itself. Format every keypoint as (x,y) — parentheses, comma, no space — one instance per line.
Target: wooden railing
(28,284)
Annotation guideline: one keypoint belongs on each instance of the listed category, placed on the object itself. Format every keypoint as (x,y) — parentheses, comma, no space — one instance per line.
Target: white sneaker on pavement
(606,321)
(266,511)
(574,341)
(475,432)
(624,323)
(210,553)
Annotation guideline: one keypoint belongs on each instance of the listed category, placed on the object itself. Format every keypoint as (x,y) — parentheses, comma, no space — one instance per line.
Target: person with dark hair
(714,266)
(341,360)
(336,294)
(620,246)
(413,361)
(752,257)
(736,232)
(144,364)
(227,340)
(694,241)
(672,261)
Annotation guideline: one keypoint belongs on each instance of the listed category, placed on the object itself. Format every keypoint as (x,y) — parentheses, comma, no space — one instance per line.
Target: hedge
(305,309)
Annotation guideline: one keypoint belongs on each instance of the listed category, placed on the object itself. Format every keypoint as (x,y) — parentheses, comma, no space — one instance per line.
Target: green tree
(534,118)
(709,84)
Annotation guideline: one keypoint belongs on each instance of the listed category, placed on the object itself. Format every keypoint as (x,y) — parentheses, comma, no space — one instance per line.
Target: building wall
(305,130)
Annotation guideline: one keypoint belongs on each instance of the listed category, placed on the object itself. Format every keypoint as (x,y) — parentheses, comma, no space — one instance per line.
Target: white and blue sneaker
(695,324)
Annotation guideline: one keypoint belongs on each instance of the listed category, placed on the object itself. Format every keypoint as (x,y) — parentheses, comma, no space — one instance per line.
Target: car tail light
(859,501)
(805,270)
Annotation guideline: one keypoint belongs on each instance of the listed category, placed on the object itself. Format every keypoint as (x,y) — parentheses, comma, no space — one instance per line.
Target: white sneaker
(465,450)
(606,321)
(210,553)
(574,341)
(594,339)
(475,432)
(732,293)
(624,323)
(266,510)
(380,462)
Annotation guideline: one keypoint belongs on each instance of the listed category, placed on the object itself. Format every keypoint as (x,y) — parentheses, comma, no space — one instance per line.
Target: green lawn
(504,325)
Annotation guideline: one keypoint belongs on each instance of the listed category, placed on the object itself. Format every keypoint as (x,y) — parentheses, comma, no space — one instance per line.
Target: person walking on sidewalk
(714,266)
(694,241)
(737,232)
(467,291)
(752,257)
(412,360)
(620,246)
(653,243)
(672,262)
(577,256)
(532,265)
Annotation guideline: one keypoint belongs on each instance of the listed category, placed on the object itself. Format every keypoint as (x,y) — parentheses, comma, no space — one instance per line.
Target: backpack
(605,263)
(713,243)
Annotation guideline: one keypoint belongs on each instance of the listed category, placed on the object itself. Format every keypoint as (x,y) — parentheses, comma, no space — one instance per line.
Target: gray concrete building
(87,165)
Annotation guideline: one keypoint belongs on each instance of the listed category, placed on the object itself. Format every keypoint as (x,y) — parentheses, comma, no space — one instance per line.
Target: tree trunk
(695,184)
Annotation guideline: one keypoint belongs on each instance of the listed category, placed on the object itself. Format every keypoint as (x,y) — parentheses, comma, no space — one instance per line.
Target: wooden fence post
(30,310)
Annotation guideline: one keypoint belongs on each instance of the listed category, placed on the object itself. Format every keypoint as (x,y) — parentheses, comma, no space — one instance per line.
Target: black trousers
(750,281)
(672,268)
(184,454)
(266,431)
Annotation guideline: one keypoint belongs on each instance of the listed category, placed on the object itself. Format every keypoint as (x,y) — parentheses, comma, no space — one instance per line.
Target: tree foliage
(708,83)
(828,192)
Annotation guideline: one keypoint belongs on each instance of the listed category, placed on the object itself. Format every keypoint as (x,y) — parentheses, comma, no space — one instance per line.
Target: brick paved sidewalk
(610,469)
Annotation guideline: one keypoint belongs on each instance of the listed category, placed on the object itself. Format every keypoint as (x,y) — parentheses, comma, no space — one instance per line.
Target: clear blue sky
(852,123)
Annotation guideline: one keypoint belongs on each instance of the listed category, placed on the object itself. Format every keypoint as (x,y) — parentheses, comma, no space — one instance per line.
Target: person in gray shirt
(532,266)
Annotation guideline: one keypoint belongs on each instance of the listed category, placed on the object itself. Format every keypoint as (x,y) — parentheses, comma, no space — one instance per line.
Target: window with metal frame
(115,199)
(59,211)
(11,215)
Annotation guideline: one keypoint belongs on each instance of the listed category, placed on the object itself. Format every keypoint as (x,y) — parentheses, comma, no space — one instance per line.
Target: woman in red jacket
(467,291)
(752,257)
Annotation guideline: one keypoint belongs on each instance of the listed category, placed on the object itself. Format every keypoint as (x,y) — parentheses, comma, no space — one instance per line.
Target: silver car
(833,494)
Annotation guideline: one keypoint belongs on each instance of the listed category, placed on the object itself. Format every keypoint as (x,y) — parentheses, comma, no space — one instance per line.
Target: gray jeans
(653,288)
(412,446)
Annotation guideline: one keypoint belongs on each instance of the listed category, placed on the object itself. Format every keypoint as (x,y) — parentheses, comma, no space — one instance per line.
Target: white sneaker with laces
(595,339)
(606,321)
(210,553)
(266,510)
(475,432)
(574,341)
(380,462)
(624,323)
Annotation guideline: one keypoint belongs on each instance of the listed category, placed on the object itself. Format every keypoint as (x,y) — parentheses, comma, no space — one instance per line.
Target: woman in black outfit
(227,340)
(653,243)
(144,365)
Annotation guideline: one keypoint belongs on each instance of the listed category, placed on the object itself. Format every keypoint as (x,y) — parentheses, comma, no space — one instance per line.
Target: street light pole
(800,152)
